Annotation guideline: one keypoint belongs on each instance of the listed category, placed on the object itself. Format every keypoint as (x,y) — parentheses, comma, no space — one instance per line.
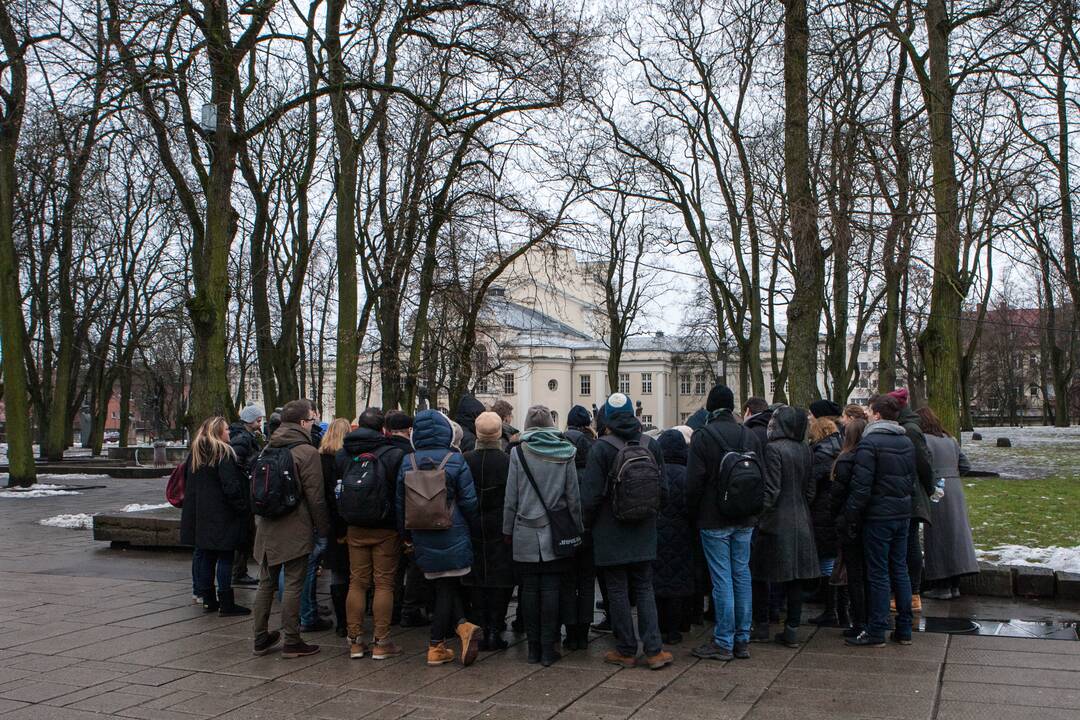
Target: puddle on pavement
(1039,630)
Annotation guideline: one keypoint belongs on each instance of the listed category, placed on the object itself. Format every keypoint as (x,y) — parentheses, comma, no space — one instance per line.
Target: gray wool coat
(784,546)
(949,547)
(523,514)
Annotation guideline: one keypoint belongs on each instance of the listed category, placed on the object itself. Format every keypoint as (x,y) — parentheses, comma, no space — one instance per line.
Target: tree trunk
(804,310)
(125,405)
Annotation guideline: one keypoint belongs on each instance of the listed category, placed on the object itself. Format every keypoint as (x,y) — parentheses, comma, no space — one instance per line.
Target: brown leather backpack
(427,503)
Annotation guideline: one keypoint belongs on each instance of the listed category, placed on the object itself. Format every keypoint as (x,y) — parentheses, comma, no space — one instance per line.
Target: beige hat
(488,426)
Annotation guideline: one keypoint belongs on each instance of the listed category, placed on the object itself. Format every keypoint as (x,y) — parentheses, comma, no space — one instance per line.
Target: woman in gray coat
(548,457)
(783,549)
(950,550)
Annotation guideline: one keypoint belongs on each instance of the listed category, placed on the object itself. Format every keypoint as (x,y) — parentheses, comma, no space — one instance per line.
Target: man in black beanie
(825,409)
(725,540)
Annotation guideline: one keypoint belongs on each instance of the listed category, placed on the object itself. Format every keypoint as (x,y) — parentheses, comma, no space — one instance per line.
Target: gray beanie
(252,413)
(538,416)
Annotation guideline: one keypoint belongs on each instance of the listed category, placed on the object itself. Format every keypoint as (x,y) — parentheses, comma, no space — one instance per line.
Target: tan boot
(470,642)
(439,654)
(916,604)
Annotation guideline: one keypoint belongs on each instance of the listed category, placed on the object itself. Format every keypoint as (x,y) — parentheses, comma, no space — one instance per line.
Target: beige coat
(281,539)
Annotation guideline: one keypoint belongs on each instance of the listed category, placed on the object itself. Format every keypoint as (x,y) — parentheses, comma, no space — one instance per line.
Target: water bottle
(939,491)
(337,490)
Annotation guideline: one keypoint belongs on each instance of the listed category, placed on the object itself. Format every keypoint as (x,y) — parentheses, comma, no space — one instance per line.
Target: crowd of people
(733,518)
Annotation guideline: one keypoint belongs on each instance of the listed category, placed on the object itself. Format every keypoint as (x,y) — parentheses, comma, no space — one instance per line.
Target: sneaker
(956,591)
(196,599)
(470,642)
(266,644)
(865,640)
(384,650)
(300,649)
(852,632)
(439,654)
(741,651)
(788,638)
(319,625)
(614,657)
(899,638)
(659,660)
(711,651)
(760,633)
(357,648)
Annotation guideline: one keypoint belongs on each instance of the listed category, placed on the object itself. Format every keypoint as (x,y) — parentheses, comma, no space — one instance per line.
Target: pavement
(88,632)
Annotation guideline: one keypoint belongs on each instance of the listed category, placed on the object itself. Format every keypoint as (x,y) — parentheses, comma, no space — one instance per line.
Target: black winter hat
(397,420)
(825,408)
(720,398)
(578,417)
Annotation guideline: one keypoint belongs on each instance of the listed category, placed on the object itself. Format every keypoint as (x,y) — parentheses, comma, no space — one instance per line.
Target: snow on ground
(37,491)
(137,507)
(81,521)
(1063,559)
(1037,451)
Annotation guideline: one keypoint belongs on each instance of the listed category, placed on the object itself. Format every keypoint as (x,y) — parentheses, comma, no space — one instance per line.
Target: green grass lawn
(1037,513)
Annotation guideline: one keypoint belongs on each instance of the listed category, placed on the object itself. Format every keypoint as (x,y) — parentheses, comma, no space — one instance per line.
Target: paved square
(88,632)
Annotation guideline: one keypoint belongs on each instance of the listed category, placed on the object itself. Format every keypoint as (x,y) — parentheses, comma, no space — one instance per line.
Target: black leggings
(448,608)
(856,579)
(792,590)
(579,590)
(671,613)
(540,604)
(489,606)
(914,556)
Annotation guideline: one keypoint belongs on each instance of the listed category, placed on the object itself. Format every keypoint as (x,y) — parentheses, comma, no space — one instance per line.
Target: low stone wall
(1021,581)
(150,528)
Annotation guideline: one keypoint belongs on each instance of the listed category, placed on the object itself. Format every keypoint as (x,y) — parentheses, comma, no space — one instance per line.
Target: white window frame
(646,383)
(585,384)
(624,383)
(508,384)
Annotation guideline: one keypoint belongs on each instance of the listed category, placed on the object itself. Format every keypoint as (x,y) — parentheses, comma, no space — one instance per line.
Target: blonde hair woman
(214,519)
(336,557)
(825,442)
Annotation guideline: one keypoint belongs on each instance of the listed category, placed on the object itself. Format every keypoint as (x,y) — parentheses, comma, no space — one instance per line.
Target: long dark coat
(783,546)
(673,569)
(825,453)
(493,565)
(215,512)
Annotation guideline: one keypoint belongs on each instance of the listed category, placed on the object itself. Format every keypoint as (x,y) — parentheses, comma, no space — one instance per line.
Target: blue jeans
(205,572)
(309,607)
(885,545)
(727,552)
(195,555)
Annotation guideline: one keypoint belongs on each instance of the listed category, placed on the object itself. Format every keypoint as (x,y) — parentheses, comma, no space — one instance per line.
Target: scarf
(719,412)
(548,442)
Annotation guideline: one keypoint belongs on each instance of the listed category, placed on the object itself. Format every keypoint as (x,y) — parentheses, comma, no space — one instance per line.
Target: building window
(1034,391)
(624,383)
(684,385)
(684,417)
(508,384)
(699,384)
(553,385)
(586,385)
(646,419)
(646,383)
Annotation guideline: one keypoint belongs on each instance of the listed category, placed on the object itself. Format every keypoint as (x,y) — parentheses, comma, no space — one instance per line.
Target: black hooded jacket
(467,411)
(365,440)
(708,446)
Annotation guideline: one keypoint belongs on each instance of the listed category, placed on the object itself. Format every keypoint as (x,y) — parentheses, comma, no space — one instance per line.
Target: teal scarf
(548,442)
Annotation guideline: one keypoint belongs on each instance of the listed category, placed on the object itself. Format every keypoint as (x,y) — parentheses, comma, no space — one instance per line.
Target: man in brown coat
(285,542)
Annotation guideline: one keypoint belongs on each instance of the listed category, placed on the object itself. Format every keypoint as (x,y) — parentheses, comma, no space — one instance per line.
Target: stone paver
(88,633)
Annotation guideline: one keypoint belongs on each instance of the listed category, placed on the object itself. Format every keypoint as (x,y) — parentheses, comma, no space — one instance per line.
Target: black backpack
(740,481)
(275,484)
(364,500)
(634,483)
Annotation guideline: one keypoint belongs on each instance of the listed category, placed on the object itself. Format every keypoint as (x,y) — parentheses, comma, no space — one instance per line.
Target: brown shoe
(266,644)
(916,604)
(439,654)
(470,643)
(614,657)
(659,660)
(384,650)
(300,649)
(357,648)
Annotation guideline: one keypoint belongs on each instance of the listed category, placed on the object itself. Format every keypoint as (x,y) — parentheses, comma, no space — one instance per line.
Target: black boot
(828,616)
(534,653)
(494,639)
(210,601)
(228,605)
(338,594)
(843,615)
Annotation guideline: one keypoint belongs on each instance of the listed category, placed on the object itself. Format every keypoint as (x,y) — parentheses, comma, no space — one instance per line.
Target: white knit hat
(252,413)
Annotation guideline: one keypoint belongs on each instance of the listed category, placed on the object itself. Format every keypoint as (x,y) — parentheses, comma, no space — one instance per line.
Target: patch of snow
(81,521)
(1064,559)
(37,491)
(136,507)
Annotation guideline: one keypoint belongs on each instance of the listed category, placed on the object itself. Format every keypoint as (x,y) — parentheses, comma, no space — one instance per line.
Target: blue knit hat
(616,404)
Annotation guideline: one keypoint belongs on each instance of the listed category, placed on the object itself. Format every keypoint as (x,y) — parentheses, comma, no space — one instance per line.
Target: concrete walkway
(87,632)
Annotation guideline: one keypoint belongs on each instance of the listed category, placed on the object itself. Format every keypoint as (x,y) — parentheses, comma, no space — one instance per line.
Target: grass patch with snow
(1039,513)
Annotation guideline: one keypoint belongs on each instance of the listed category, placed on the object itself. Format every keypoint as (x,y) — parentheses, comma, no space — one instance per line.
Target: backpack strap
(616,442)
(532,480)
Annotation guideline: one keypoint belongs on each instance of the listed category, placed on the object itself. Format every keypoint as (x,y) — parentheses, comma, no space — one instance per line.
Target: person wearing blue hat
(624,549)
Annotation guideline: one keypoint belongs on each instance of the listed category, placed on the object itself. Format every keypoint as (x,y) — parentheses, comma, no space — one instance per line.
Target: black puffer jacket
(493,563)
(884,476)
(365,440)
(783,547)
(467,411)
(708,446)
(673,570)
(245,445)
(924,469)
(583,439)
(615,542)
(825,453)
(215,512)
